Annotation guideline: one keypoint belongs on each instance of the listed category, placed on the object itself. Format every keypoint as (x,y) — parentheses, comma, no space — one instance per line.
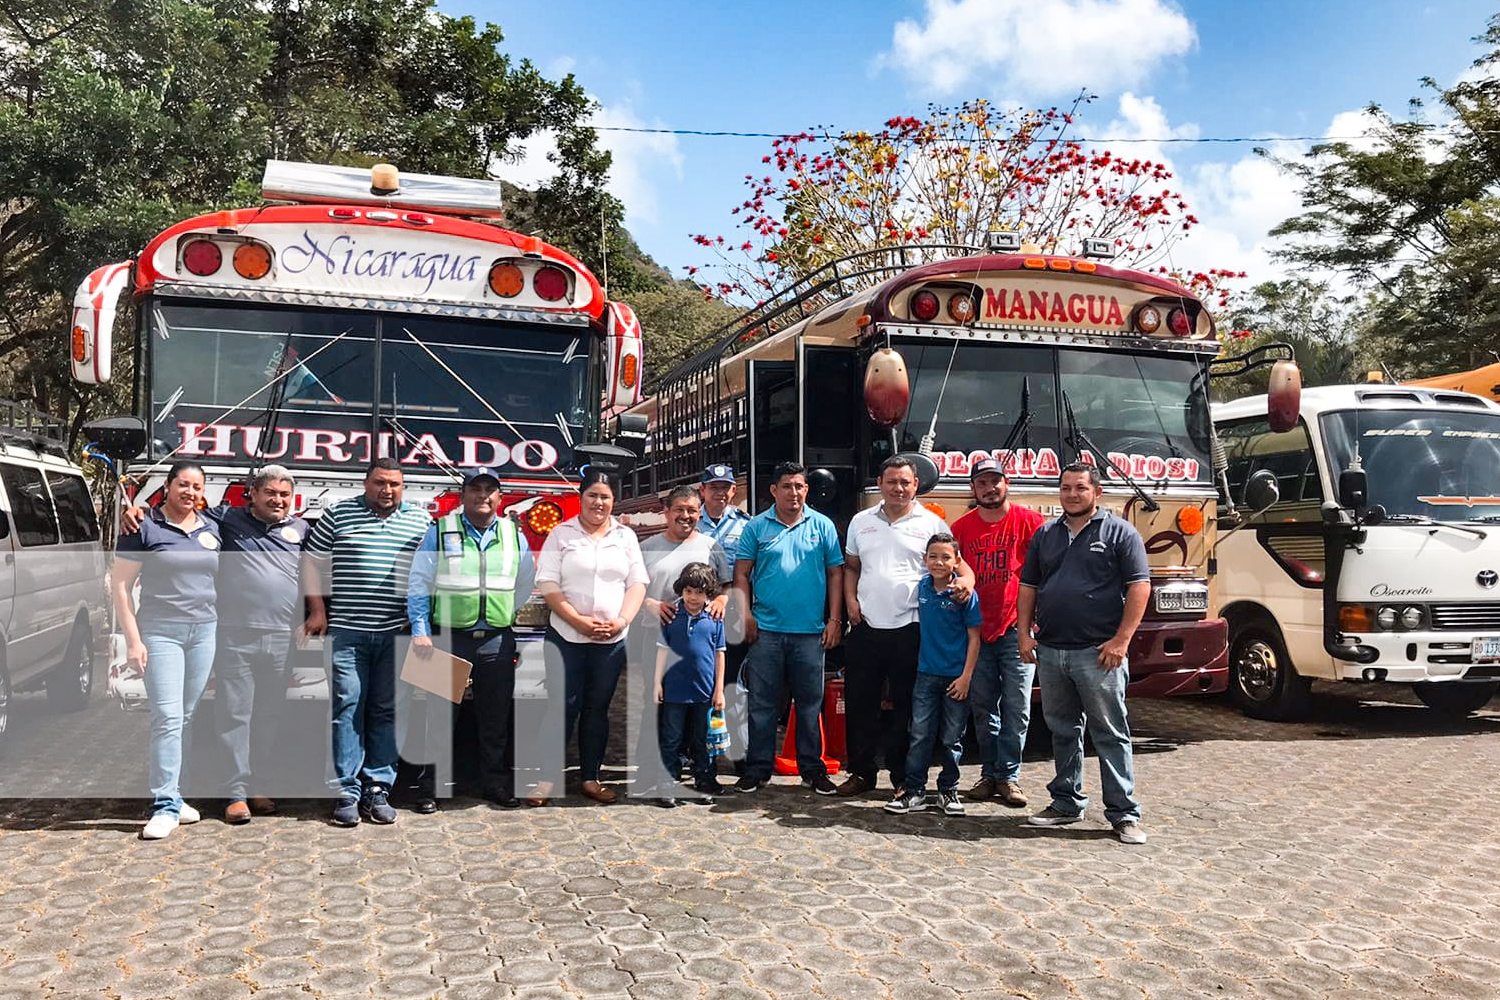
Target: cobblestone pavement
(1351,856)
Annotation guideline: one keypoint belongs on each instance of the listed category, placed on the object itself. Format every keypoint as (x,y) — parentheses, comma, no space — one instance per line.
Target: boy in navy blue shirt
(945,663)
(690,679)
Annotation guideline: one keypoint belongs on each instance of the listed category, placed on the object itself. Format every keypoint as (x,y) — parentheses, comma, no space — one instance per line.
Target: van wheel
(69,686)
(1454,698)
(1262,680)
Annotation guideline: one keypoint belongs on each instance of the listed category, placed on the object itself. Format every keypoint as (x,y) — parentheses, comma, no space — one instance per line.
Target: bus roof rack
(21,423)
(319,183)
(801,298)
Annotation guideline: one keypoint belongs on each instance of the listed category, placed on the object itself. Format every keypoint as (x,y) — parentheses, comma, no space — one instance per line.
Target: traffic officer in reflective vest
(470,574)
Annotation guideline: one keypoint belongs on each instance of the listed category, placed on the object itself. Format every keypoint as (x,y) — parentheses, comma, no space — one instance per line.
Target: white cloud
(641,162)
(1355,128)
(1038,47)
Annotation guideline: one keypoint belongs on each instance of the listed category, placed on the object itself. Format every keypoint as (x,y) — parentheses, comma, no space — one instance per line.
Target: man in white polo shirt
(884,562)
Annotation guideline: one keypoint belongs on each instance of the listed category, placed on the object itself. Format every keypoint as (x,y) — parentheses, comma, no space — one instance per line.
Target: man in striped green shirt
(363,546)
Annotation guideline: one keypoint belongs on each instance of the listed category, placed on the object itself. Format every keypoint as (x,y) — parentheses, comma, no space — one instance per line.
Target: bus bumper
(1172,658)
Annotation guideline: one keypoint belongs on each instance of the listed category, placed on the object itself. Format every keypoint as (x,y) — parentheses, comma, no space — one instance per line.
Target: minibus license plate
(1487,649)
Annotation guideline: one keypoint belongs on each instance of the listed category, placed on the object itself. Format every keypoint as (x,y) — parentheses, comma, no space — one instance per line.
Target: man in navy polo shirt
(789,568)
(258,599)
(1085,584)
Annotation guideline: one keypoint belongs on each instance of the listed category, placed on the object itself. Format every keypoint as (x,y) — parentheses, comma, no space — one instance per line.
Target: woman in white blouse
(591,575)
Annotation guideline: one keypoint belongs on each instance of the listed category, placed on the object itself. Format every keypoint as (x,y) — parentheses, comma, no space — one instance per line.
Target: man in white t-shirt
(884,562)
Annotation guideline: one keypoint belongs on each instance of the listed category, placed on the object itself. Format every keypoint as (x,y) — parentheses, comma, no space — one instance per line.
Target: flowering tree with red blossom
(946,181)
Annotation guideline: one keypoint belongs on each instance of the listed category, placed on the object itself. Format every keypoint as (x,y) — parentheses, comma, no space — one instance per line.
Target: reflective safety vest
(469,577)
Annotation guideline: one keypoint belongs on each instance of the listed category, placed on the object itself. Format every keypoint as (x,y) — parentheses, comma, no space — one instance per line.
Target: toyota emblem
(1487,578)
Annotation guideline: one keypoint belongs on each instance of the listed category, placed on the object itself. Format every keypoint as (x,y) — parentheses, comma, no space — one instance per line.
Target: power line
(823,134)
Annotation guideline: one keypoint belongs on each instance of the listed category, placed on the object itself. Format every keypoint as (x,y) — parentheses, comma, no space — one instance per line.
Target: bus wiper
(1427,522)
(1023,419)
(1077,436)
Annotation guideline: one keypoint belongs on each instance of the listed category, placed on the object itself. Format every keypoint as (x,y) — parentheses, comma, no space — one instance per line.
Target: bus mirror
(630,432)
(1284,396)
(1354,488)
(822,489)
(1261,490)
(121,438)
(887,389)
(926,470)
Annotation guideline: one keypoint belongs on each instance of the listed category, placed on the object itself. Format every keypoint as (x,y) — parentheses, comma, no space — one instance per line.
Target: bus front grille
(1466,617)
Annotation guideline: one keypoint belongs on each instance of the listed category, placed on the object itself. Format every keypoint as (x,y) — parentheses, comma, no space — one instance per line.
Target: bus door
(773,426)
(829,410)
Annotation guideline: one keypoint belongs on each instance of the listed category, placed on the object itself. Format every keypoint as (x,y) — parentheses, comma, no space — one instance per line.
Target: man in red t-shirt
(993,538)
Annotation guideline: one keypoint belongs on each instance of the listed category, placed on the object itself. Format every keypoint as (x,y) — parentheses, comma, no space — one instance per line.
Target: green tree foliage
(1320,326)
(121,117)
(679,320)
(1411,215)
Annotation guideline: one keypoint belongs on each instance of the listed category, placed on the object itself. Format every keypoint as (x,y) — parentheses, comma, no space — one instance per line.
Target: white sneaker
(159,827)
(188,815)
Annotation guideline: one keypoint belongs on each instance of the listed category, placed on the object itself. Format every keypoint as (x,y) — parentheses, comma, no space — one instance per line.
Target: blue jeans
(934,716)
(1000,704)
(779,661)
(250,674)
(363,695)
(1076,692)
(590,672)
(179,657)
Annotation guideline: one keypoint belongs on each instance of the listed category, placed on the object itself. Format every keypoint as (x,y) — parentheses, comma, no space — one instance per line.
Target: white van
(52,590)
(1365,546)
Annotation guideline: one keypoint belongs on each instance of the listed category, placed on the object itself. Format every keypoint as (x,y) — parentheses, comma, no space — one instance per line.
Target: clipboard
(440,673)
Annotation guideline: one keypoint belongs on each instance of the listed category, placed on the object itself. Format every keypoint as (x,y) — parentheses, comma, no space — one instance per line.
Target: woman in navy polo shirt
(175,555)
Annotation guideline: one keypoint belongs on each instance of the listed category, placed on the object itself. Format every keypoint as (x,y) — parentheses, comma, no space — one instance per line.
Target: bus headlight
(1385,618)
(1412,618)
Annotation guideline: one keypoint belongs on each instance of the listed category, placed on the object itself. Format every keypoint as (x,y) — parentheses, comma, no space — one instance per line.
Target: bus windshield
(1440,464)
(326,387)
(1148,413)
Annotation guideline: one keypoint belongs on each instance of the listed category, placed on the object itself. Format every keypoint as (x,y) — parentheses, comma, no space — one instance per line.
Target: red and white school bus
(360,314)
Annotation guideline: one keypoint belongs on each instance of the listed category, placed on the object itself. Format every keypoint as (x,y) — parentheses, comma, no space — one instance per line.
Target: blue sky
(1159,68)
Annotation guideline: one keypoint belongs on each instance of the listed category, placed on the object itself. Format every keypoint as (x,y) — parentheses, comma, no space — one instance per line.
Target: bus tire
(1454,698)
(69,686)
(1262,680)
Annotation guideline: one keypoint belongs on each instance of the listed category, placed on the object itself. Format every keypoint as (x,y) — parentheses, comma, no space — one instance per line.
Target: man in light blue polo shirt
(789,568)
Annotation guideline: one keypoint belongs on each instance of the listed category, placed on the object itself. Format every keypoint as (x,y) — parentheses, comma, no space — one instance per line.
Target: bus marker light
(1085,266)
(1148,319)
(252,260)
(506,280)
(202,257)
(1035,263)
(550,283)
(80,344)
(1354,618)
(1178,323)
(1190,520)
(344,213)
(543,517)
(1060,264)
(380,215)
(417,219)
(961,307)
(924,306)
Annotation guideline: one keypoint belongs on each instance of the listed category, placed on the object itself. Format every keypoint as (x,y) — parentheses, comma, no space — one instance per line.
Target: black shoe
(346,812)
(709,787)
(376,807)
(424,805)
(502,799)
(749,783)
(666,802)
(821,784)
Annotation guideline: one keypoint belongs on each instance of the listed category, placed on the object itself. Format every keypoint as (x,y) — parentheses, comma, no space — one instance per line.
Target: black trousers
(879,665)
(493,653)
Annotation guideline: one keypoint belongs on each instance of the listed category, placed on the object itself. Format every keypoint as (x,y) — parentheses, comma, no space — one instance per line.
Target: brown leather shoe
(597,792)
(541,792)
(854,785)
(1010,793)
(262,806)
(237,813)
(984,788)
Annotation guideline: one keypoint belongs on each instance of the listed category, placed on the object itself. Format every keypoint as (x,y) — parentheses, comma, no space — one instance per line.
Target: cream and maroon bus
(1031,359)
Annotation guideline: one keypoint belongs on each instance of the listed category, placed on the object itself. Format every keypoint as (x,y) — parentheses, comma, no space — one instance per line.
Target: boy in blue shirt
(690,679)
(945,663)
